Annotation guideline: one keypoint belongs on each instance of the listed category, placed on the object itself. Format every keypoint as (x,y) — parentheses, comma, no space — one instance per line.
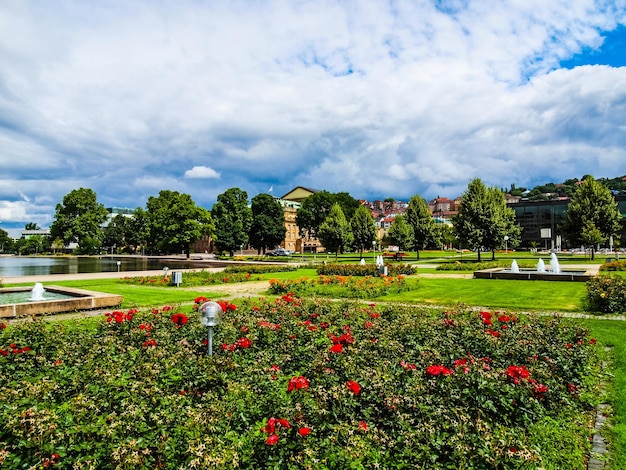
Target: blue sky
(376,98)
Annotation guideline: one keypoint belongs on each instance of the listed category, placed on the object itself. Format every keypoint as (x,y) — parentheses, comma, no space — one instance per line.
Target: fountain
(36,294)
(540,273)
(541,266)
(555,267)
(18,301)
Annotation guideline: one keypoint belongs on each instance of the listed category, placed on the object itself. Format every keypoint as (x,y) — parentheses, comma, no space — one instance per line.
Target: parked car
(280,252)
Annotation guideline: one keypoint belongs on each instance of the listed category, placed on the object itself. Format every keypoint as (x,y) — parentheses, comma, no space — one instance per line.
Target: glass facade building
(541,221)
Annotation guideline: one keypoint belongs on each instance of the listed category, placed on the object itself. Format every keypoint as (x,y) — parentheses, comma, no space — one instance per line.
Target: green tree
(592,209)
(363,228)
(313,212)
(267,229)
(420,219)
(484,219)
(33,245)
(502,223)
(116,233)
(445,235)
(32,226)
(401,233)
(6,242)
(335,233)
(348,204)
(137,235)
(233,219)
(174,222)
(78,219)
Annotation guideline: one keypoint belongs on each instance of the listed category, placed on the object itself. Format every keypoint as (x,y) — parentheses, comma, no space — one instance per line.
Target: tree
(116,233)
(78,219)
(32,226)
(421,221)
(313,212)
(348,204)
(445,235)
(268,223)
(334,233)
(34,245)
(592,210)
(484,220)
(363,228)
(137,235)
(233,219)
(174,222)
(6,242)
(401,233)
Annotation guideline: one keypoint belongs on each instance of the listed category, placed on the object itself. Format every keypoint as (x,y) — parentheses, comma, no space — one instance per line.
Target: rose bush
(408,389)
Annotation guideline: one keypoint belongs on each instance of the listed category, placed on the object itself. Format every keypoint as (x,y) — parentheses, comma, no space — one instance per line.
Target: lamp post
(506,241)
(119,263)
(210,316)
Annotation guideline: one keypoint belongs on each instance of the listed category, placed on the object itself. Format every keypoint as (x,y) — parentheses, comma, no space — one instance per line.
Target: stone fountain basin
(79,299)
(533,275)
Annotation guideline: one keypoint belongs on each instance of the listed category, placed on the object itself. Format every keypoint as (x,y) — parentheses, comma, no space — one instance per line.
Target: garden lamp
(210,316)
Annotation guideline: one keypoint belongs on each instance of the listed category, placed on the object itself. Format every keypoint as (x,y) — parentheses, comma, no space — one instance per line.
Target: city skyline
(375,99)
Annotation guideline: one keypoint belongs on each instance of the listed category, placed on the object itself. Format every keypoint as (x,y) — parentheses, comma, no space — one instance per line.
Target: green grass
(613,334)
(505,294)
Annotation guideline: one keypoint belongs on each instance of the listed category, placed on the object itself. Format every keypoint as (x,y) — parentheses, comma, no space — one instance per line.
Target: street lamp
(210,316)
(119,263)
(506,241)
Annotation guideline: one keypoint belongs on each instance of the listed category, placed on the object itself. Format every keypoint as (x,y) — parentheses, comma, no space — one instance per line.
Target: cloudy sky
(376,98)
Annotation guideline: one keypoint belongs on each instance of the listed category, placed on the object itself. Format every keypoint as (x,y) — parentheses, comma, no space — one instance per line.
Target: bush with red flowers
(335,385)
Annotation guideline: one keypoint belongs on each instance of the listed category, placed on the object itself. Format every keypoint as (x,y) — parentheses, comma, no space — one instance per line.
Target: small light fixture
(210,316)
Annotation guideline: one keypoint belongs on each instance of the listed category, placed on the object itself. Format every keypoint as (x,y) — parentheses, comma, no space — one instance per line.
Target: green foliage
(116,233)
(232,218)
(592,214)
(388,387)
(484,220)
(401,233)
(313,212)
(174,222)
(363,228)
(78,219)
(606,294)
(6,242)
(458,266)
(267,229)
(420,219)
(363,269)
(335,234)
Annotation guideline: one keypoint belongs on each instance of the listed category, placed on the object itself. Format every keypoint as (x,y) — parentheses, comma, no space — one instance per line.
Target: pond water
(8,298)
(35,266)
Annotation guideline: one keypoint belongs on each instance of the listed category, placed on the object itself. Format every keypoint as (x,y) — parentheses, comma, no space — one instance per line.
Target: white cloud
(373,98)
(202,172)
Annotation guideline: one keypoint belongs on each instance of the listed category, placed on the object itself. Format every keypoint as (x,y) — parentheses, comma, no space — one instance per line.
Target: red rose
(353,386)
(304,431)
(336,348)
(273,439)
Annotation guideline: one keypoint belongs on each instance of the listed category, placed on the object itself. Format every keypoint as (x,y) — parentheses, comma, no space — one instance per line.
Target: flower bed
(297,384)
(339,286)
(364,269)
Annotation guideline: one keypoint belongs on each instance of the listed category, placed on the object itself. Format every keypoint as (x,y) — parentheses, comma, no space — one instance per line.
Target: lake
(39,265)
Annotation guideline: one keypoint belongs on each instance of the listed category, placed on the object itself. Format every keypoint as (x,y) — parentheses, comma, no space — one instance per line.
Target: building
(541,221)
(291,202)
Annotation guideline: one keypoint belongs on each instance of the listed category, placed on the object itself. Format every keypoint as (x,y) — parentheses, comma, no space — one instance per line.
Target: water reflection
(34,266)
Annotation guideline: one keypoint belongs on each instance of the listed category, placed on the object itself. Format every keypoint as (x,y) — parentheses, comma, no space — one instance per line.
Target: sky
(376,98)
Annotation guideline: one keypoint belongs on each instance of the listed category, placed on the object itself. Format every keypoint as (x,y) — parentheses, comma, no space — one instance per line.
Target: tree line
(171,223)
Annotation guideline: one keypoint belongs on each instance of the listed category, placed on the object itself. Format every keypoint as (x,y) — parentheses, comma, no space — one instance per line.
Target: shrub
(606,294)
(298,384)
(364,269)
(614,266)
(358,287)
(260,269)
